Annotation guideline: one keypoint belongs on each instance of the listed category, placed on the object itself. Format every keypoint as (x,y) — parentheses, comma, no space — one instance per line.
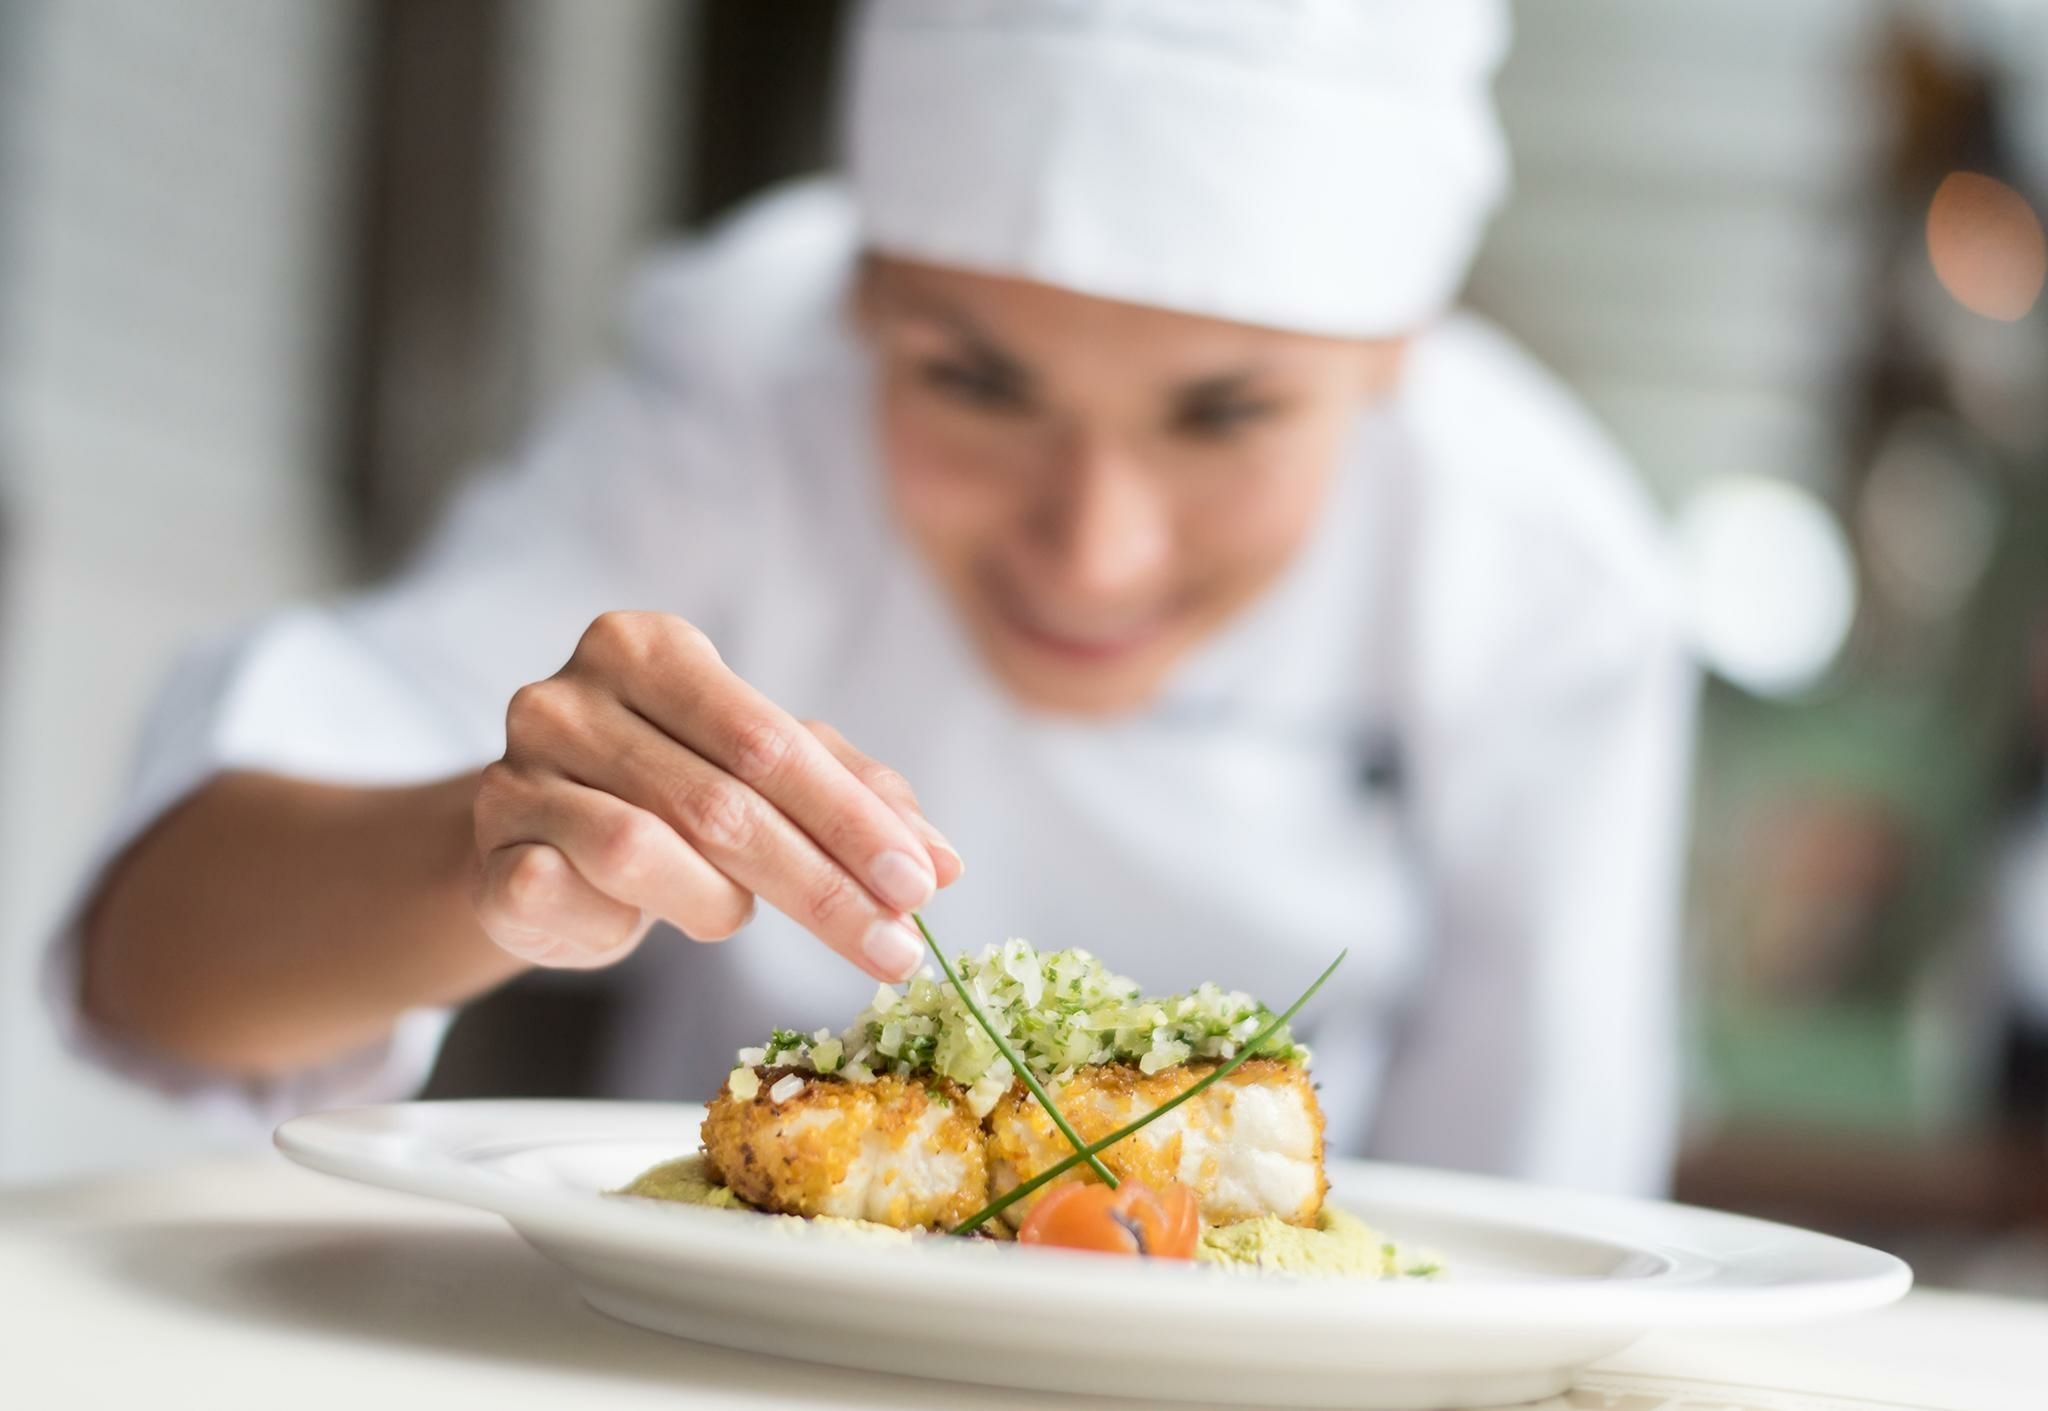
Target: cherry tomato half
(1132,1219)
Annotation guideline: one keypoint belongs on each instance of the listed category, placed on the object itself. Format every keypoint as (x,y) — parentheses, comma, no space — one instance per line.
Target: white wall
(168,269)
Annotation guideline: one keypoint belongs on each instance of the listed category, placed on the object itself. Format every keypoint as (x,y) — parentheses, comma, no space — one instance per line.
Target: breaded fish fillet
(1249,1145)
(898,1151)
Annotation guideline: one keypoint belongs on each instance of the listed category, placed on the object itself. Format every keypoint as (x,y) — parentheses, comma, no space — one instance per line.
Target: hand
(645,781)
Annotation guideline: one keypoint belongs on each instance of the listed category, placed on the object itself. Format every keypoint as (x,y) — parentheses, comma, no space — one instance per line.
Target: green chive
(1011,1197)
(1016,1063)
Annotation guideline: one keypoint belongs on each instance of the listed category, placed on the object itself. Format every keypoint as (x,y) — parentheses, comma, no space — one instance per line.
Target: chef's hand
(646,782)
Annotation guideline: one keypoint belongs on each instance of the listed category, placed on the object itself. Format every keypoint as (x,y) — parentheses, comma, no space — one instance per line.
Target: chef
(1085,518)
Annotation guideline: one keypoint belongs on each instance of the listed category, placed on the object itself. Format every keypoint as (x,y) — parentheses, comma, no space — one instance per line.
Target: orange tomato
(1132,1219)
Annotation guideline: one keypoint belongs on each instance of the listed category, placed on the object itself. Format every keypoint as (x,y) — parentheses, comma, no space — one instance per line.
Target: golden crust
(908,1152)
(1097,1100)
(843,1148)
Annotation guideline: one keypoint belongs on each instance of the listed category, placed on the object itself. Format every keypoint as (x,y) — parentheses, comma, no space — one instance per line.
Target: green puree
(686,1181)
(1341,1245)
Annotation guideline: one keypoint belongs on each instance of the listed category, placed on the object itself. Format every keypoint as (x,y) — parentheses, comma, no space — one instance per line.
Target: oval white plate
(1541,1283)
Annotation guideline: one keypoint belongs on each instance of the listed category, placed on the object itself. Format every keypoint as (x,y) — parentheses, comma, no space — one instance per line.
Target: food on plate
(690,1180)
(1132,1219)
(1038,1096)
(1250,1145)
(896,1150)
(1339,1244)
(913,1116)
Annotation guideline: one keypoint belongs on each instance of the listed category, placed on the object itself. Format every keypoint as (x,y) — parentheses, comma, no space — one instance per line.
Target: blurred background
(276,274)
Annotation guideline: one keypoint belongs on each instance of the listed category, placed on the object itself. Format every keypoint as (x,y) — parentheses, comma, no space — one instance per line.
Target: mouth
(1090,647)
(1073,640)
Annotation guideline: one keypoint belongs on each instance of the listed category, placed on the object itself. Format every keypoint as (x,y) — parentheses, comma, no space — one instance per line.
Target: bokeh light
(1986,246)
(1769,581)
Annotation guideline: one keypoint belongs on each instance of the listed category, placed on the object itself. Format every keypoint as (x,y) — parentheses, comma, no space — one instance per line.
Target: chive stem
(1016,1064)
(1089,1153)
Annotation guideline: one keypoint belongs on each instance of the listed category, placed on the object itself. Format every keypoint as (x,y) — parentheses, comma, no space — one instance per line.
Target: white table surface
(251,1282)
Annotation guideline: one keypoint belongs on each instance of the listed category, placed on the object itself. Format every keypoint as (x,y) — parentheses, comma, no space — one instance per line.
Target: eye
(1215,418)
(977,385)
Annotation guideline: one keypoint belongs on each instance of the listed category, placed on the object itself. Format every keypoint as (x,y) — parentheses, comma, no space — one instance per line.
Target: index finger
(895,789)
(727,722)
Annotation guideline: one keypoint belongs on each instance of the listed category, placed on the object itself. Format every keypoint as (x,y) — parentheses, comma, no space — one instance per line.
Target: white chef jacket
(1454,737)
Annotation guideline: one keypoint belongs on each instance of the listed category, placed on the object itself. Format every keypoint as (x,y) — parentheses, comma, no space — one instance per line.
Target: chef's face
(1100,486)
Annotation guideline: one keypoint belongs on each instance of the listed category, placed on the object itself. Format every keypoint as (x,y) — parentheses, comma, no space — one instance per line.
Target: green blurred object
(1843,1066)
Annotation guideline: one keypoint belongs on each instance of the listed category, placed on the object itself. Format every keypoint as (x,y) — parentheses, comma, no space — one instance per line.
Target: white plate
(1541,1282)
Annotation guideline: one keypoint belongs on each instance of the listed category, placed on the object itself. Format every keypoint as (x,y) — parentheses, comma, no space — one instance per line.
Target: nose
(1109,530)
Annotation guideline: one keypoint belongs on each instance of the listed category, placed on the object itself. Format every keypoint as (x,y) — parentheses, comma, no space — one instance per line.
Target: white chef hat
(1319,165)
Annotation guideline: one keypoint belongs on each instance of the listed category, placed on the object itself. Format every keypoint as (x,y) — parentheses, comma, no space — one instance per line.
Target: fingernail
(934,838)
(891,950)
(902,881)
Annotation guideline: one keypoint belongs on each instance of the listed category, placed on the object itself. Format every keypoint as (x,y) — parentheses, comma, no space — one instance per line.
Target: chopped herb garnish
(1059,1011)
(1009,1056)
(1095,1149)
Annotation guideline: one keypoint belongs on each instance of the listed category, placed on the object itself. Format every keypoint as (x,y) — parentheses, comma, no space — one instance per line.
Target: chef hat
(1319,165)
